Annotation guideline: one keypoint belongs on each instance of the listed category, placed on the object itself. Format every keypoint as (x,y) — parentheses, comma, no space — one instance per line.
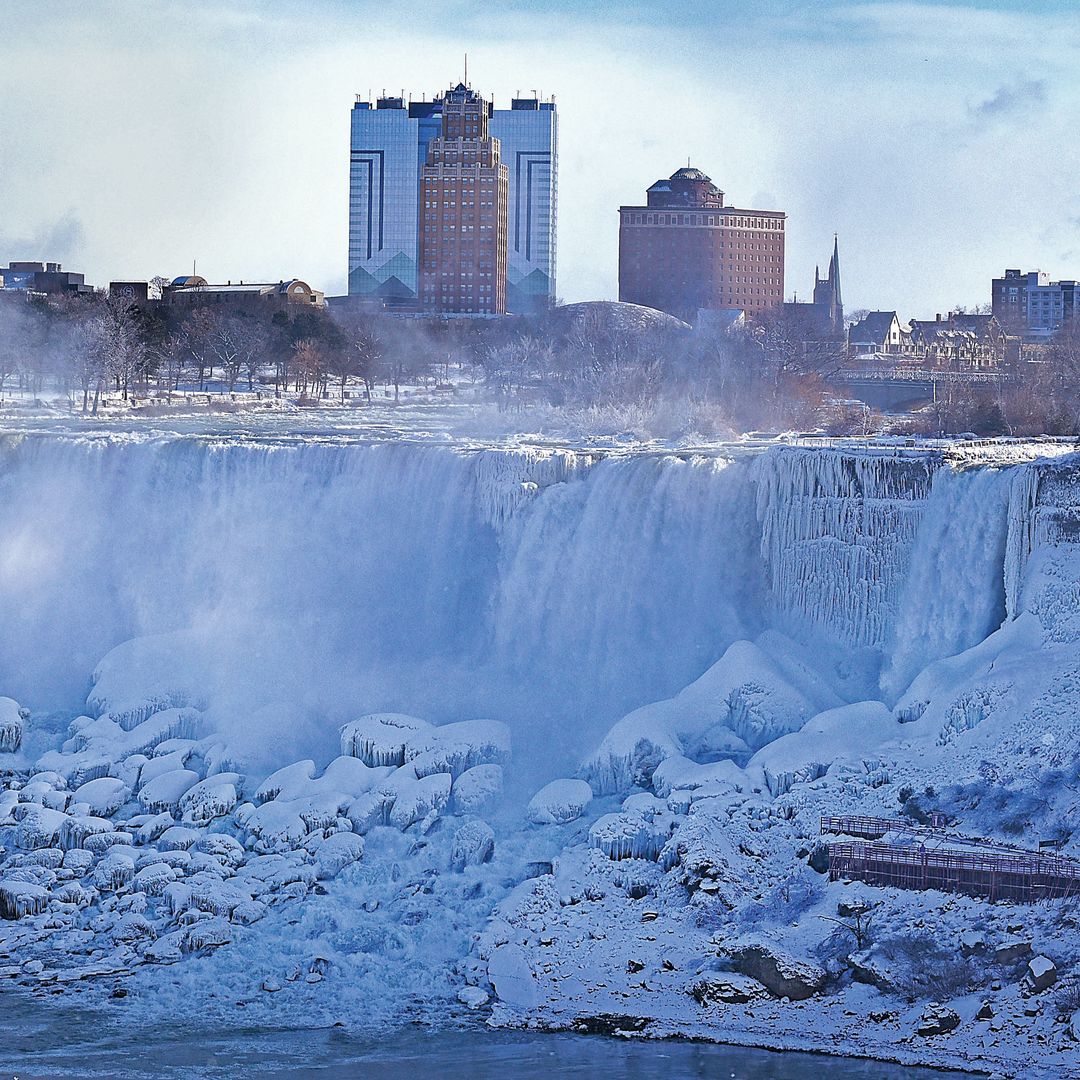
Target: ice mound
(12,721)
(147,675)
(744,692)
(559,802)
(849,734)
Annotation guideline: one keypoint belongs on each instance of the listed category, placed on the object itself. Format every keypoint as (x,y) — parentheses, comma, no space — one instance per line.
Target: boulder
(474,845)
(1041,974)
(727,988)
(937,1020)
(780,973)
(559,802)
(1012,951)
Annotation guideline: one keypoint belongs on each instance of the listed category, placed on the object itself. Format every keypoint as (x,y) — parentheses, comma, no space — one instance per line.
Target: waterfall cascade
(540,585)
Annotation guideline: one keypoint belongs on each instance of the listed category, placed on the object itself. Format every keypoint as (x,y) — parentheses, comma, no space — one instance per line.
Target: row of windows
(700,219)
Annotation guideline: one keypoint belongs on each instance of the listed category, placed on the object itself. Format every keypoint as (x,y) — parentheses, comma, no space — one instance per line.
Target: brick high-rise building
(464,193)
(686,251)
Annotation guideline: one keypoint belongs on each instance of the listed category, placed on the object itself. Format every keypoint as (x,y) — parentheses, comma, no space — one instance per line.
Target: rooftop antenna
(466,70)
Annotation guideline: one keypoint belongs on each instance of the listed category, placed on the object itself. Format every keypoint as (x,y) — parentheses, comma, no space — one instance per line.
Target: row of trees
(87,346)
(585,358)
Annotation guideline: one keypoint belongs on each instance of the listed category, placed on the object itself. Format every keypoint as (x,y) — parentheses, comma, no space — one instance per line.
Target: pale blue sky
(938,139)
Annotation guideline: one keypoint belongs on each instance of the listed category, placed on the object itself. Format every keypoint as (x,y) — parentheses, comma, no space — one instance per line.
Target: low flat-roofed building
(246,297)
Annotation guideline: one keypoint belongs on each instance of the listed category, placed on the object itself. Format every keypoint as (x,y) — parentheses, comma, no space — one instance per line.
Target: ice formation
(283,748)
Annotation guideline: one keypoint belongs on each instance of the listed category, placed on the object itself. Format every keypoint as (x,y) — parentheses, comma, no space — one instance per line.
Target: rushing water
(70,1042)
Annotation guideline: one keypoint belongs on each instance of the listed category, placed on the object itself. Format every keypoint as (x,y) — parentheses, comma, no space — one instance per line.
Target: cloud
(219,130)
(1021,97)
(59,241)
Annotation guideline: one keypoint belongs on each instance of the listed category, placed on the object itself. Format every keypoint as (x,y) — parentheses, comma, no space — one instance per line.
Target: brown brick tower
(686,251)
(464,194)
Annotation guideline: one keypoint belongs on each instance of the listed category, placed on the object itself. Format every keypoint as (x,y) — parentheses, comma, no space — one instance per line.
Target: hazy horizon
(936,139)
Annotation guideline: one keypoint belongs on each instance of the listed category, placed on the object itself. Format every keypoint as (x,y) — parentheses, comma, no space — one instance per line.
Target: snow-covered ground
(389,723)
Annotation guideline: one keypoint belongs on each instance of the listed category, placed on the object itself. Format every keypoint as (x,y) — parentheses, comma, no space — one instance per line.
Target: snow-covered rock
(476,788)
(474,845)
(380,738)
(12,723)
(559,802)
(164,792)
(21,898)
(1041,974)
(782,974)
(104,796)
(336,851)
(744,691)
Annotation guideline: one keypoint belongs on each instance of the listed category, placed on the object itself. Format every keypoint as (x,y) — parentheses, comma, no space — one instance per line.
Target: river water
(42,1040)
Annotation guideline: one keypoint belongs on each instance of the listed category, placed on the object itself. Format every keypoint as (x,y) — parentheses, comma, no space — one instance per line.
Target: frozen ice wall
(317,580)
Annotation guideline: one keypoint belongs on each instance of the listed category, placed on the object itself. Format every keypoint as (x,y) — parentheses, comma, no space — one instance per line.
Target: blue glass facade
(388,147)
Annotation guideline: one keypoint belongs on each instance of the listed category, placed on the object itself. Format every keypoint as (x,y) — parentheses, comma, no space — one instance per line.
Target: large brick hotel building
(463,193)
(685,250)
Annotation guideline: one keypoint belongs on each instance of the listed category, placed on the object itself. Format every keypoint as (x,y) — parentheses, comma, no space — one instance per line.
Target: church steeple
(827,298)
(834,275)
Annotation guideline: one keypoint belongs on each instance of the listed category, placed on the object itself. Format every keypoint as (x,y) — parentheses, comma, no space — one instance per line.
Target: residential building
(960,340)
(389,145)
(879,335)
(1031,305)
(685,251)
(42,279)
(822,319)
(246,298)
(464,190)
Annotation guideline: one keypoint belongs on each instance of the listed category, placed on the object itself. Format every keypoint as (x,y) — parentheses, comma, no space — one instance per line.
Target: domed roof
(688,173)
(611,315)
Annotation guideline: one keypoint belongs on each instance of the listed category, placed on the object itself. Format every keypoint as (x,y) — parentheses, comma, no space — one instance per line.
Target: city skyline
(911,159)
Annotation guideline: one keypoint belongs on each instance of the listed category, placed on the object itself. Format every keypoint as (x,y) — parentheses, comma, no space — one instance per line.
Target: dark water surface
(39,1040)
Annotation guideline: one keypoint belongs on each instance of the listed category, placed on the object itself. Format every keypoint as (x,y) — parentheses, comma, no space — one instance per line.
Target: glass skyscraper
(388,148)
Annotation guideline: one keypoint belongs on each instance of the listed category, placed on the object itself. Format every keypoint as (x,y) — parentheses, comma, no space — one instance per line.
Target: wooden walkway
(924,858)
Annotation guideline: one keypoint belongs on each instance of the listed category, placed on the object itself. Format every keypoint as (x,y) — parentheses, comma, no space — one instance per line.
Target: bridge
(899,387)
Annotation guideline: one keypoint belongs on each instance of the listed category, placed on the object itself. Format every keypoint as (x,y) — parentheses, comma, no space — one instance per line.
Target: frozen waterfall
(554,589)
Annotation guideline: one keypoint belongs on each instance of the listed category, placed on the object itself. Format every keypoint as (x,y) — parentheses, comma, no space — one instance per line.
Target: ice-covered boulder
(456,748)
(417,798)
(164,792)
(336,851)
(12,723)
(678,773)
(380,738)
(39,827)
(476,788)
(21,898)
(211,798)
(559,802)
(104,796)
(473,845)
(147,675)
(631,836)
